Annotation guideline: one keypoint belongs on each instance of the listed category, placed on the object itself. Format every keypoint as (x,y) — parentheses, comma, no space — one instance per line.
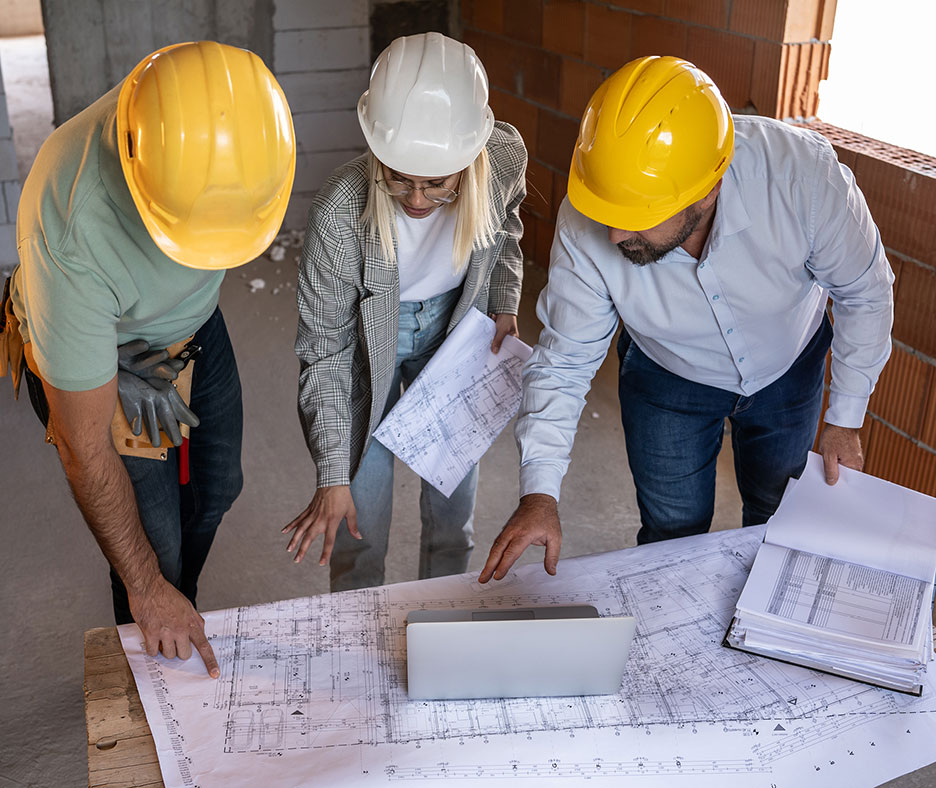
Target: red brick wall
(545,58)
(899,435)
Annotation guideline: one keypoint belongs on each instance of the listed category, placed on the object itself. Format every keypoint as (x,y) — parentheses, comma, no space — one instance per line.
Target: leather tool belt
(125,442)
(11,341)
(15,355)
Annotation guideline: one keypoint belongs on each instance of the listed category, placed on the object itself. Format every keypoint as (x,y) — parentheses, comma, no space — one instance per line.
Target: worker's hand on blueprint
(170,624)
(329,507)
(504,325)
(839,445)
(536,521)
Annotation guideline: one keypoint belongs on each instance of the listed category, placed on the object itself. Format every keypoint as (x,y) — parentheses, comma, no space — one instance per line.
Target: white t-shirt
(424,254)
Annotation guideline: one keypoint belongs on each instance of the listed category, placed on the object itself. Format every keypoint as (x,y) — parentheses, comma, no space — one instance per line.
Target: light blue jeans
(447,523)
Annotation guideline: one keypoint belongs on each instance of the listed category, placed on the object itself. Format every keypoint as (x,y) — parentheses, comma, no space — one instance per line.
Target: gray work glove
(136,357)
(155,402)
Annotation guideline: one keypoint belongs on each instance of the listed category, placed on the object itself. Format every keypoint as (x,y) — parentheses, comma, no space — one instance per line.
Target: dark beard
(641,252)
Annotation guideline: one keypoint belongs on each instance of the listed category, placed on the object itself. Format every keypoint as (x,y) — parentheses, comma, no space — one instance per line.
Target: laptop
(515,653)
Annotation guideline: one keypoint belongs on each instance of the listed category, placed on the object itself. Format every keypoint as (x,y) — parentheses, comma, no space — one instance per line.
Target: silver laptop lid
(515,652)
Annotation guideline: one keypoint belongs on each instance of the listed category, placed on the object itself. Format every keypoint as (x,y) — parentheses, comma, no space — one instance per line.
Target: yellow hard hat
(208,151)
(655,138)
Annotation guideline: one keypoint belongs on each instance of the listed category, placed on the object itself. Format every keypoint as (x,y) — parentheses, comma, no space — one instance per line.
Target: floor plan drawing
(313,691)
(458,404)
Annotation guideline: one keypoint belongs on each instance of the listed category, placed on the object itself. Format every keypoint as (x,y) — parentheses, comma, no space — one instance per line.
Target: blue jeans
(447,523)
(674,427)
(180,520)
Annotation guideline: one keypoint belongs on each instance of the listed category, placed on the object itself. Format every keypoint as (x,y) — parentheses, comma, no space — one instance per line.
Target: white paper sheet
(836,597)
(458,404)
(846,521)
(844,579)
(312,692)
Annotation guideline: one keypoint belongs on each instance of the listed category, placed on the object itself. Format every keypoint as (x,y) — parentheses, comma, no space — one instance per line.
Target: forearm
(326,424)
(507,272)
(556,379)
(104,494)
(861,345)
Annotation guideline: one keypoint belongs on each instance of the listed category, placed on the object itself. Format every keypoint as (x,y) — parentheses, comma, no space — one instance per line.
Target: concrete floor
(53,579)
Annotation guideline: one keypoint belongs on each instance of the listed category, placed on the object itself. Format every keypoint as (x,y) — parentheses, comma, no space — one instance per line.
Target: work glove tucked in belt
(147,394)
(136,357)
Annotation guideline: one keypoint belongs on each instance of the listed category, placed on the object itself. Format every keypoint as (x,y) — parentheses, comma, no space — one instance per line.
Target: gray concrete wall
(321,56)
(320,50)
(9,190)
(93,44)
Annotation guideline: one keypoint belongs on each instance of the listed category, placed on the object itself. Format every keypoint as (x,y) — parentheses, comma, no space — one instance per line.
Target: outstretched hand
(329,506)
(535,521)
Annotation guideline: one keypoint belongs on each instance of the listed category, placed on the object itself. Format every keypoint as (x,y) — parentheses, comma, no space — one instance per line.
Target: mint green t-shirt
(90,277)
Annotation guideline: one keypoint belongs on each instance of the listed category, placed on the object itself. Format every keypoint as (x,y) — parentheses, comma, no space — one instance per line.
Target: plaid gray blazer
(349,304)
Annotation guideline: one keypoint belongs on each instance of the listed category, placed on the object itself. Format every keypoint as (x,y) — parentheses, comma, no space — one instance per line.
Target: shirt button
(741,359)
(701,265)
(714,297)
(729,331)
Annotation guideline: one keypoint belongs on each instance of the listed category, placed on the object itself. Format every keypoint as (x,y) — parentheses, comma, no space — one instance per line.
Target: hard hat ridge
(425,111)
(655,138)
(207,148)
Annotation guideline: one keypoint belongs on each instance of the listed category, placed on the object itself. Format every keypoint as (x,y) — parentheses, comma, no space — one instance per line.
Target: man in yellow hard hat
(718,241)
(131,213)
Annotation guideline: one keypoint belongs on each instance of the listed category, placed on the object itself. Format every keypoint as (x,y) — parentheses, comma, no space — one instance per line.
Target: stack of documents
(844,581)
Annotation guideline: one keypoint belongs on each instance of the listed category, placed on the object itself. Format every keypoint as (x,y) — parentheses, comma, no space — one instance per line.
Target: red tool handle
(184,462)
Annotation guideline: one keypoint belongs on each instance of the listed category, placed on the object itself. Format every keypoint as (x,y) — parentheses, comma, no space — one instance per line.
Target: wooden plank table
(121,751)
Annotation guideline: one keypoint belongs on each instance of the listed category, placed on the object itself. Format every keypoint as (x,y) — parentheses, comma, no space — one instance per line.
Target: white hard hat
(426,110)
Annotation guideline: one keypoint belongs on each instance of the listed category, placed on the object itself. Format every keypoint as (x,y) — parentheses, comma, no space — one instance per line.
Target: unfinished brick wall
(899,434)
(545,58)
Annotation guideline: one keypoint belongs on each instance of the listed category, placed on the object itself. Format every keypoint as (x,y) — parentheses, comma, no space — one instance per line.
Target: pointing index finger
(207,653)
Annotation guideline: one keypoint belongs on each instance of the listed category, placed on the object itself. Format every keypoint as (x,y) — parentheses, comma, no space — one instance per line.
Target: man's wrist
(539,500)
(145,582)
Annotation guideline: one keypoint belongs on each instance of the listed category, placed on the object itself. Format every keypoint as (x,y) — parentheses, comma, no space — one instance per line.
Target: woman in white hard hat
(401,242)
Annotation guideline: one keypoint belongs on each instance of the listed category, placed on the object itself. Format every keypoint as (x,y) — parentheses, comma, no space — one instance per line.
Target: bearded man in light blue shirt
(717,241)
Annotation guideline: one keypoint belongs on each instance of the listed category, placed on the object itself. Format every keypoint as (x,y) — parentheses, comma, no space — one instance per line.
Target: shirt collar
(730,215)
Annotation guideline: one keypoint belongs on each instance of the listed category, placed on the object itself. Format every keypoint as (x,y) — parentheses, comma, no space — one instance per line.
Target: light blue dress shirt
(791,228)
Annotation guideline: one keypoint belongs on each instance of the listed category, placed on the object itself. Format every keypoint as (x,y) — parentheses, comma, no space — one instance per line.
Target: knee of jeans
(170,563)
(217,502)
(675,518)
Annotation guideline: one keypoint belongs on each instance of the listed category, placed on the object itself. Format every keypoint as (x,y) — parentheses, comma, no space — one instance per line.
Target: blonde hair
(474,220)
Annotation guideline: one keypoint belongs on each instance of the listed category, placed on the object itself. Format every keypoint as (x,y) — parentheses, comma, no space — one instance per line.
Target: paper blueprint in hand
(458,404)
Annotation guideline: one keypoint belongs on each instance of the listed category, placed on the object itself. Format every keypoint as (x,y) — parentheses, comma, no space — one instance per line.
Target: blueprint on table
(458,404)
(312,691)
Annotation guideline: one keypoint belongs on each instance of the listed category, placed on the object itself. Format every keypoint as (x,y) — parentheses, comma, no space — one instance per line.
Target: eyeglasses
(437,194)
